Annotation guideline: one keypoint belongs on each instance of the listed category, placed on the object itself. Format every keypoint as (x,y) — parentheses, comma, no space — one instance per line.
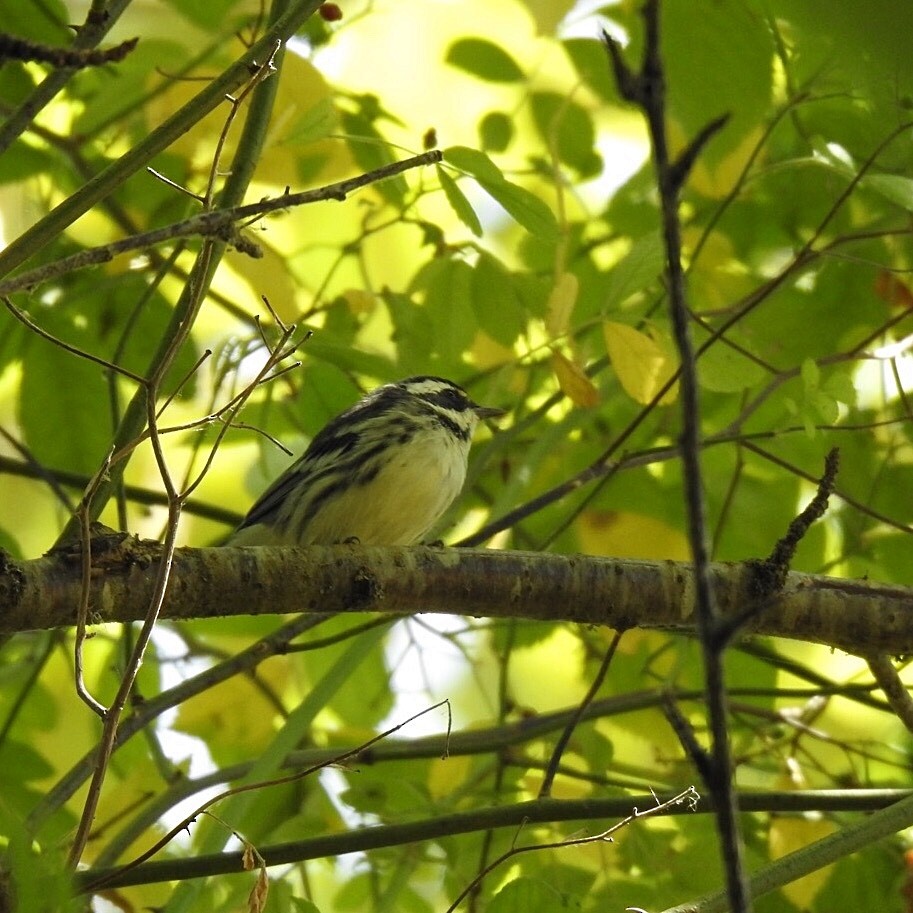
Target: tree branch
(215,223)
(856,616)
(895,806)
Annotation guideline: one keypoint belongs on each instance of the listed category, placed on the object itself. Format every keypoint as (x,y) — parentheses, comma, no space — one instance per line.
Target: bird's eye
(455,398)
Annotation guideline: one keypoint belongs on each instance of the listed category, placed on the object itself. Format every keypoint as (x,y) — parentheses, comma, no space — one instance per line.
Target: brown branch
(218,224)
(40,594)
(13,48)
(532,812)
(894,689)
(647,89)
(552,768)
(336,758)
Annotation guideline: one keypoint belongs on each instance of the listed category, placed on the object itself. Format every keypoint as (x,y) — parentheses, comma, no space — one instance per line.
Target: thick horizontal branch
(43,593)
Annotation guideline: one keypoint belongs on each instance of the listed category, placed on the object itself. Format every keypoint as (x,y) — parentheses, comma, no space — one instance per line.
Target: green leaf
(709,74)
(484,59)
(413,332)
(473,162)
(893,187)
(496,130)
(105,99)
(636,271)
(314,124)
(524,206)
(527,895)
(349,358)
(840,385)
(105,303)
(16,83)
(23,160)
(591,61)
(63,408)
(724,370)
(448,300)
(300,905)
(567,127)
(495,301)
(811,375)
(458,202)
(371,151)
(210,15)
(46,22)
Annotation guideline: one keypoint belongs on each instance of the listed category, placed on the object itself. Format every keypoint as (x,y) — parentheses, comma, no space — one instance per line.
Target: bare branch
(217,223)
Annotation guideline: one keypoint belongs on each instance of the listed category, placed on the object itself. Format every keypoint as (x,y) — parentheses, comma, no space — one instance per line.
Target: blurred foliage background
(528,266)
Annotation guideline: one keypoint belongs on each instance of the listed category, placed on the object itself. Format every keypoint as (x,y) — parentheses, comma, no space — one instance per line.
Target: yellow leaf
(447,775)
(642,365)
(561,303)
(359,301)
(575,385)
(235,712)
(563,787)
(789,833)
(623,534)
(488,353)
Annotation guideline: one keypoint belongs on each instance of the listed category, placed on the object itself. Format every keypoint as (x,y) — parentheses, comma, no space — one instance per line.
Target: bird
(381,473)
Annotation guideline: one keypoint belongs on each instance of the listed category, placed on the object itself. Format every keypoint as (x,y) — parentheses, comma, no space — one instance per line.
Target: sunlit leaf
(642,365)
(474,162)
(525,207)
(789,833)
(458,202)
(548,14)
(636,271)
(626,534)
(561,303)
(574,383)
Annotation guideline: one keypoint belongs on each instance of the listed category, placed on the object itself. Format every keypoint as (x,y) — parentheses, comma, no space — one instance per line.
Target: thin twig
(24,318)
(240,402)
(82,611)
(333,761)
(216,223)
(689,796)
(894,689)
(551,769)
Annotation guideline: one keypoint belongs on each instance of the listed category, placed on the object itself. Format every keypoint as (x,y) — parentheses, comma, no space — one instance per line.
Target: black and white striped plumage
(383,472)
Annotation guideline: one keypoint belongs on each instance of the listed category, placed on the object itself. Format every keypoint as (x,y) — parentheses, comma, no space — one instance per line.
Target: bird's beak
(484,412)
